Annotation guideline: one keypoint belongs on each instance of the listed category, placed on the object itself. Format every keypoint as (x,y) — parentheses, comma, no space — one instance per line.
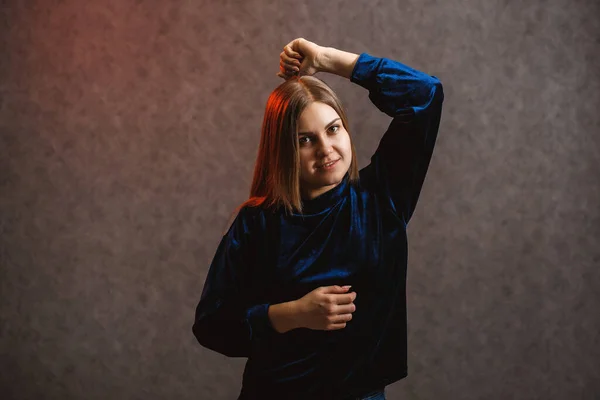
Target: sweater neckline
(327,199)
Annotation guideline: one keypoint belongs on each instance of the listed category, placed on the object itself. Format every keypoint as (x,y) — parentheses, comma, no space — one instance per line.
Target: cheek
(347,148)
(305,161)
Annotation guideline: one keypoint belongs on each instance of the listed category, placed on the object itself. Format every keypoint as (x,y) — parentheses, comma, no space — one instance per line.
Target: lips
(328,164)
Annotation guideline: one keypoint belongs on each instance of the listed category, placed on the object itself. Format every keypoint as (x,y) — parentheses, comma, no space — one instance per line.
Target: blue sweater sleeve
(225,320)
(414,100)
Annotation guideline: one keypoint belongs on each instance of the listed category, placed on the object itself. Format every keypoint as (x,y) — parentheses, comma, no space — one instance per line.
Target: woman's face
(322,140)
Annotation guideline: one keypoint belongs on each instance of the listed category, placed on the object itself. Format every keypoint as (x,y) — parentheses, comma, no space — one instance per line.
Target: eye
(335,126)
(303,141)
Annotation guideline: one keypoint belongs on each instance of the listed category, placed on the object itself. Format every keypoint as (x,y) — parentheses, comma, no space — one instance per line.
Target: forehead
(315,116)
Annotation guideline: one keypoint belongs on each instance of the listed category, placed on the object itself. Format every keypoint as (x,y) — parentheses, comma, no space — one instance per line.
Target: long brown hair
(276,179)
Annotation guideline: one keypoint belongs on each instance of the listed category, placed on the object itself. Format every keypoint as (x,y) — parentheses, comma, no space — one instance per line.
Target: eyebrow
(326,126)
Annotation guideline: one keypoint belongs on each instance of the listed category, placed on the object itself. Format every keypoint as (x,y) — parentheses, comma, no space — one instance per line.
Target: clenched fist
(299,57)
(326,308)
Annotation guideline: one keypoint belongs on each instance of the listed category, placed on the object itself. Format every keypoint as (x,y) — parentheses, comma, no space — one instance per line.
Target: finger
(334,327)
(287,67)
(285,74)
(289,60)
(286,71)
(345,298)
(336,289)
(340,319)
(345,309)
(287,50)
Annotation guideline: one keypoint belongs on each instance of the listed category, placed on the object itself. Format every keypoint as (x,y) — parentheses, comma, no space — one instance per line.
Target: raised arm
(414,100)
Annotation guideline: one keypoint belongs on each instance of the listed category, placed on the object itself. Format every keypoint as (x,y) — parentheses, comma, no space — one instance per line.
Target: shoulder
(245,219)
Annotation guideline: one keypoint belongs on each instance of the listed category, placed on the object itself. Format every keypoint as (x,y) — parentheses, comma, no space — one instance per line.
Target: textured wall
(128,134)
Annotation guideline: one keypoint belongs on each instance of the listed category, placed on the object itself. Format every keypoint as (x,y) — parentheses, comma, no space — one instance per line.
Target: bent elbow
(209,336)
(437,90)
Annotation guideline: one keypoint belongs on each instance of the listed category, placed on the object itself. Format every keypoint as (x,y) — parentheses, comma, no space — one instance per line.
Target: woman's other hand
(299,57)
(326,308)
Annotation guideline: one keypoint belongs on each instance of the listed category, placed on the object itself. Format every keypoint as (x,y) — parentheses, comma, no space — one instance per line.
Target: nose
(325,148)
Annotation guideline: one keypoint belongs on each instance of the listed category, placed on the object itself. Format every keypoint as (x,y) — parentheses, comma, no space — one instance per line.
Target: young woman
(278,288)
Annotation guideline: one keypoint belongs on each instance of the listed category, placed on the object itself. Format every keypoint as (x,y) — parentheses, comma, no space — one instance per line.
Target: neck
(311,193)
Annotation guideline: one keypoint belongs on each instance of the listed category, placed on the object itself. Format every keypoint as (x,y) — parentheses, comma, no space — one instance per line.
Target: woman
(278,289)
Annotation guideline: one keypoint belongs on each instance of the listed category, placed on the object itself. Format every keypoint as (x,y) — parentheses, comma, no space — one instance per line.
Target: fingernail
(347,287)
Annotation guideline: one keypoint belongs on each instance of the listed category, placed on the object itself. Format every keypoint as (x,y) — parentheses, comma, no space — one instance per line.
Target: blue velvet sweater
(353,234)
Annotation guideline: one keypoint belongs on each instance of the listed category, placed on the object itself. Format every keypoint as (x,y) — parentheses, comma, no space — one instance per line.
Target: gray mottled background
(129,130)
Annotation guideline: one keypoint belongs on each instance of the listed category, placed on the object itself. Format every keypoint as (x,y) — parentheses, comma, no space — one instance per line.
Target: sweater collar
(327,199)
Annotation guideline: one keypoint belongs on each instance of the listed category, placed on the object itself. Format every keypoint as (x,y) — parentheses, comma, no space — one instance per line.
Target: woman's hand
(326,308)
(299,57)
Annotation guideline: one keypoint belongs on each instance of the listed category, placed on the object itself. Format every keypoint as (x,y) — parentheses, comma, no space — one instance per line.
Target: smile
(329,165)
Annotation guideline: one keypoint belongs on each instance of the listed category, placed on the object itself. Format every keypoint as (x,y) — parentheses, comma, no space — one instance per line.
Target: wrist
(284,316)
(336,61)
(323,59)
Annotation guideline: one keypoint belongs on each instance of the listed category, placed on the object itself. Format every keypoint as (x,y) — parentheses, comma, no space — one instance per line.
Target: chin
(326,182)
(331,179)
(319,179)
